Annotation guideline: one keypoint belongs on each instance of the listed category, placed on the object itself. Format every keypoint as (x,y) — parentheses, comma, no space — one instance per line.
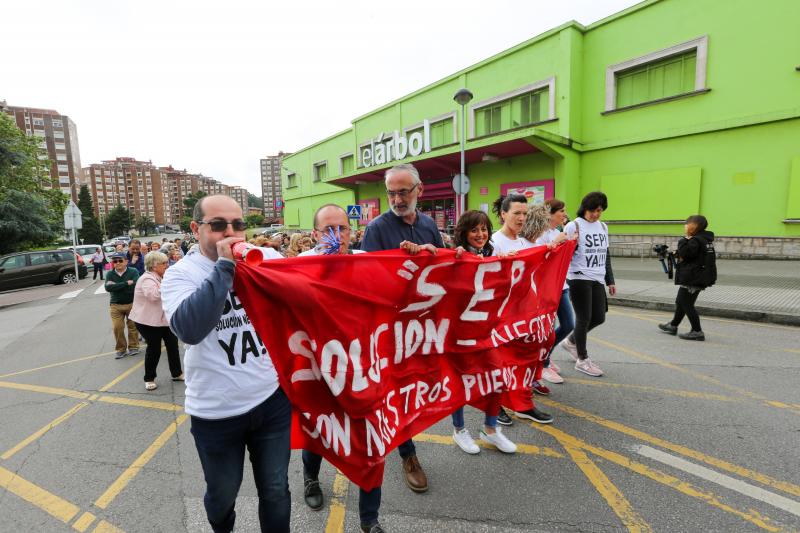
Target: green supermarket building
(671,107)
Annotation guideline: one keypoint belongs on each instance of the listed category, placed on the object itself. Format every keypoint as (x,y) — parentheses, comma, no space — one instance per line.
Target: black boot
(312,493)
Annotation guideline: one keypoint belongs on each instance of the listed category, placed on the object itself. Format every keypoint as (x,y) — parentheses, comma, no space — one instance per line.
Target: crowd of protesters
(180,292)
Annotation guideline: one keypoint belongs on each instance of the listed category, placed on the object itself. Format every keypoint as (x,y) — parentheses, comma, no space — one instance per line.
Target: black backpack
(707,274)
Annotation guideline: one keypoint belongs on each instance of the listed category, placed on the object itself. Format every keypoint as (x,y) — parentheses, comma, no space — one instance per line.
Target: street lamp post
(462,98)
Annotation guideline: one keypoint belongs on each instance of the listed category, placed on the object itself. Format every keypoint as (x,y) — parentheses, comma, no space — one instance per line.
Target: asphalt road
(677,436)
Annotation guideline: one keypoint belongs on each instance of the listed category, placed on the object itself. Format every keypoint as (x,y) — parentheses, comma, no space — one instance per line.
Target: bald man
(232,391)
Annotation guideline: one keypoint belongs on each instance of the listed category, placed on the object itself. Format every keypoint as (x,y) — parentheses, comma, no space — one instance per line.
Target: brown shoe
(414,474)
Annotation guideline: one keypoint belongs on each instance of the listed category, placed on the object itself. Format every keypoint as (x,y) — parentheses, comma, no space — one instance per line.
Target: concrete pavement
(765,291)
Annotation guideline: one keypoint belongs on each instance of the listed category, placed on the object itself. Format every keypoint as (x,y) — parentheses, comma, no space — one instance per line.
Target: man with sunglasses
(232,392)
(403,226)
(121,284)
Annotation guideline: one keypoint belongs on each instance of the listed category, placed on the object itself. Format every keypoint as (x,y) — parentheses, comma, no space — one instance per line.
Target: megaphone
(248,253)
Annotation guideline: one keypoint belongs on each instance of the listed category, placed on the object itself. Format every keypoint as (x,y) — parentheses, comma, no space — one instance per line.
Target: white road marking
(71,294)
(728,482)
(101,289)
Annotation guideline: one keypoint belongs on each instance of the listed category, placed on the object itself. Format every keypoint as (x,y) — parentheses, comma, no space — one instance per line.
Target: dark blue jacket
(388,230)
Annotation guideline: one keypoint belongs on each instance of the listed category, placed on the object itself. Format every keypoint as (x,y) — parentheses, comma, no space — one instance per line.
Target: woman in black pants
(588,275)
(151,322)
(692,275)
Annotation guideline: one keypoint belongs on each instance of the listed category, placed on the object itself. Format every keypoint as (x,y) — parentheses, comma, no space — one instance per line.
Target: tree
(90,232)
(144,225)
(25,181)
(255,220)
(23,221)
(190,201)
(185,223)
(254,201)
(118,221)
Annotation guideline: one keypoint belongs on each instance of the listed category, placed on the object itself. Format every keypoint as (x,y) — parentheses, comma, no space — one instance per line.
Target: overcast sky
(215,86)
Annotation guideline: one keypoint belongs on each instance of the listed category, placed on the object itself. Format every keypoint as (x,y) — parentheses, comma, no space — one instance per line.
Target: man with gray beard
(404,227)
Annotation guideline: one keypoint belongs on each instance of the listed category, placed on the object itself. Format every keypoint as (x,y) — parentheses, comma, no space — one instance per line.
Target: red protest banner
(374,348)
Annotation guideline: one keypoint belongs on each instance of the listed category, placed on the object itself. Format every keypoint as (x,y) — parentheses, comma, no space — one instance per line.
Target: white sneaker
(548,374)
(587,366)
(464,441)
(570,347)
(499,441)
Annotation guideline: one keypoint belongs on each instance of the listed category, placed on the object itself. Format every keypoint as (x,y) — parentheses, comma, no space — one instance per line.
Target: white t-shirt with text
(589,261)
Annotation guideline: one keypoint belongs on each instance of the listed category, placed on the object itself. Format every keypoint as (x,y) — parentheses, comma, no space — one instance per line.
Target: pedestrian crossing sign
(354,212)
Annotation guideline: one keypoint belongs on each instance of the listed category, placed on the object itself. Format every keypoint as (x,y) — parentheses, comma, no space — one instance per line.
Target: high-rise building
(58,135)
(240,195)
(136,185)
(271,191)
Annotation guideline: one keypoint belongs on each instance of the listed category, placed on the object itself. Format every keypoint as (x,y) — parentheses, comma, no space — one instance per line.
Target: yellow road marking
(656,475)
(46,390)
(149,404)
(105,527)
(335,523)
(83,523)
(610,493)
(529,449)
(37,434)
(122,376)
(56,364)
(764,479)
(645,388)
(48,502)
(702,377)
(122,481)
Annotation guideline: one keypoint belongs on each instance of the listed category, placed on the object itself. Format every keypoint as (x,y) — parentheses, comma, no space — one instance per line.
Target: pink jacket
(147,301)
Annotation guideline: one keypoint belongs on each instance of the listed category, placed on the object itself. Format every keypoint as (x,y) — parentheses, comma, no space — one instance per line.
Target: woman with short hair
(151,322)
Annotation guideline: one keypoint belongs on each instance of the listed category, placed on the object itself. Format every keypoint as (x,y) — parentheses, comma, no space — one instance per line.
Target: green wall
(732,152)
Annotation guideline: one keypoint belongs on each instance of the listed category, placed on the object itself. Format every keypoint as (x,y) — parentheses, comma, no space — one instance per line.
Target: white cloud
(213,87)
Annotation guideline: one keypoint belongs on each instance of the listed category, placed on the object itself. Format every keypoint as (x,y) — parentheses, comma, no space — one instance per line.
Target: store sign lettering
(380,152)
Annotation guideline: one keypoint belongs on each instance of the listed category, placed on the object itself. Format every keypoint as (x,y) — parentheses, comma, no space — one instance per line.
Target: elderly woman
(151,321)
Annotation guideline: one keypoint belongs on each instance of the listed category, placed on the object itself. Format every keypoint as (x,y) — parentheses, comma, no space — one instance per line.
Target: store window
(521,110)
(348,164)
(676,71)
(659,79)
(320,171)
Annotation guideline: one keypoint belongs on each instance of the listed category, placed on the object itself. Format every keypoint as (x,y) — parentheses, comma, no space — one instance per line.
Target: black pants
(684,306)
(590,305)
(153,337)
(98,267)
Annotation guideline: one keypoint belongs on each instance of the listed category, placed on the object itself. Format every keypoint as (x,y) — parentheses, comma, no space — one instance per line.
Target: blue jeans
(458,420)
(265,431)
(369,503)
(566,322)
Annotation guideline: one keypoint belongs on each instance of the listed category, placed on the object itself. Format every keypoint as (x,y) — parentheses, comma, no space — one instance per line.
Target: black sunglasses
(220,224)
(117,260)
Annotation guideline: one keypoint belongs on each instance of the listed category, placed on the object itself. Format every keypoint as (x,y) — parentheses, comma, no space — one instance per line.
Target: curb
(723,312)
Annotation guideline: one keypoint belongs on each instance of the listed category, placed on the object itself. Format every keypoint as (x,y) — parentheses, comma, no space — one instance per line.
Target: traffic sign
(461,184)
(354,212)
(72,217)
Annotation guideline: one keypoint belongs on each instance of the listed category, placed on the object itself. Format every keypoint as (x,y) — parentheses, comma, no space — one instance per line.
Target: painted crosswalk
(71,294)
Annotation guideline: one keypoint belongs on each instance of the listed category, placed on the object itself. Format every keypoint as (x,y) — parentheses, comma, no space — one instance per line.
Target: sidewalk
(766,291)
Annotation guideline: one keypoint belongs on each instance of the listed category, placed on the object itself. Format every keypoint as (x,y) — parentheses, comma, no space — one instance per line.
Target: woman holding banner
(512,211)
(554,213)
(472,234)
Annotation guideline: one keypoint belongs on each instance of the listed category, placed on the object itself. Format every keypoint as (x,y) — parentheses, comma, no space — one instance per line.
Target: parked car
(86,251)
(124,238)
(26,269)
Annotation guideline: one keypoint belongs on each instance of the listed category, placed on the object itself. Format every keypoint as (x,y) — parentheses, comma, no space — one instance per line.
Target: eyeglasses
(220,224)
(402,193)
(334,229)
(117,260)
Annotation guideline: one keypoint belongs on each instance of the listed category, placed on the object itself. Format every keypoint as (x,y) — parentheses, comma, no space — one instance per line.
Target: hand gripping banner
(374,348)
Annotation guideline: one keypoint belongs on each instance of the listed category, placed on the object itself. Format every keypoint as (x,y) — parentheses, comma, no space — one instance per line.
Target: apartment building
(136,185)
(271,190)
(58,135)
